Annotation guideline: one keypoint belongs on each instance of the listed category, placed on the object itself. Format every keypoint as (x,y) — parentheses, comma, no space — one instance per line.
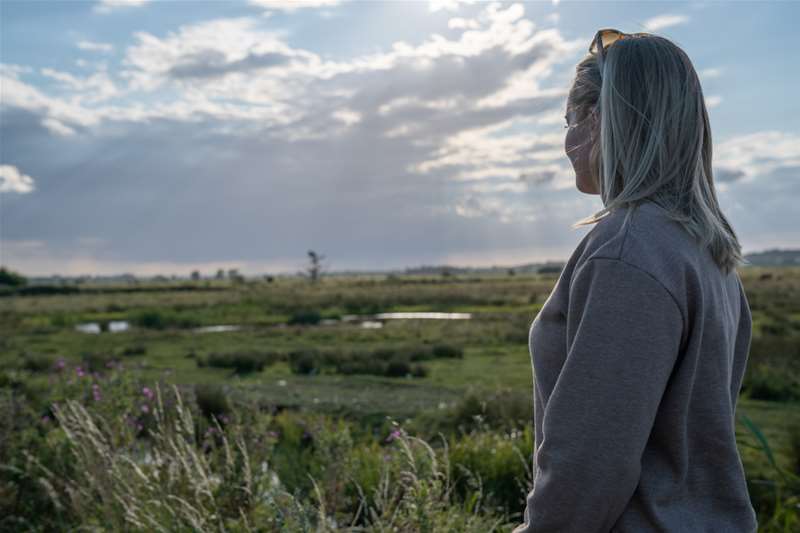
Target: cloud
(213,63)
(95,47)
(447,5)
(757,155)
(293,5)
(713,101)
(708,73)
(95,88)
(12,180)
(664,21)
(107,6)
(228,142)
(462,24)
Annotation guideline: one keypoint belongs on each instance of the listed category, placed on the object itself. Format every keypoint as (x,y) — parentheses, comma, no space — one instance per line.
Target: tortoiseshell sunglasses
(605,38)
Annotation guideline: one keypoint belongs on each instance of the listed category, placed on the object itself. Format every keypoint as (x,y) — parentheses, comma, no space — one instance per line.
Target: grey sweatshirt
(638,356)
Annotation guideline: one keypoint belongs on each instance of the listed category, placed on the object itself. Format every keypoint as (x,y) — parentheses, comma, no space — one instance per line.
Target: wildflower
(96,392)
(145,408)
(80,372)
(394,435)
(60,364)
(148,393)
(45,419)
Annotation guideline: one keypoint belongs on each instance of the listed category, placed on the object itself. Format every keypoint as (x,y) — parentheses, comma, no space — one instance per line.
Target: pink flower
(145,408)
(60,364)
(96,392)
(80,372)
(393,435)
(147,393)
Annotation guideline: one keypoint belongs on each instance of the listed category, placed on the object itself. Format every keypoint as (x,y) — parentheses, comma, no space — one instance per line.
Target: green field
(294,355)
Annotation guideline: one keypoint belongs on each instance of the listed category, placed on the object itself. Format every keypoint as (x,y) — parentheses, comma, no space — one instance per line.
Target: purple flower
(148,393)
(60,364)
(393,435)
(80,372)
(96,392)
(145,408)
(45,419)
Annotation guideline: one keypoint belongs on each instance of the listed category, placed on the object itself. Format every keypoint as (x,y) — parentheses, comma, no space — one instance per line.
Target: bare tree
(314,270)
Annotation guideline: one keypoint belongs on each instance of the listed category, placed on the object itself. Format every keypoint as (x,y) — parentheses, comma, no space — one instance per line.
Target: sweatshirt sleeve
(624,331)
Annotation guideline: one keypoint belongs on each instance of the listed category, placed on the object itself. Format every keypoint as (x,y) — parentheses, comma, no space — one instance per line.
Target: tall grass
(109,478)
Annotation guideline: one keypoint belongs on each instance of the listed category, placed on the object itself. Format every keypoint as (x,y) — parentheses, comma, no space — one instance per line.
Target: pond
(367,321)
(113,326)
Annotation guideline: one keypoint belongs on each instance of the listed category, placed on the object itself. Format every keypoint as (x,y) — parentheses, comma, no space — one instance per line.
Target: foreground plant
(166,483)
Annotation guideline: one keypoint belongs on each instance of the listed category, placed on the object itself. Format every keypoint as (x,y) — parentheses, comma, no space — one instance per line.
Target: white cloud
(107,6)
(12,180)
(293,5)
(664,21)
(232,97)
(347,116)
(447,5)
(95,88)
(753,156)
(463,24)
(95,47)
(713,101)
(708,73)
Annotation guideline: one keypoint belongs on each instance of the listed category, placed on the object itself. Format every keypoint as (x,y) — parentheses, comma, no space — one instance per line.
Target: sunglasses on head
(605,38)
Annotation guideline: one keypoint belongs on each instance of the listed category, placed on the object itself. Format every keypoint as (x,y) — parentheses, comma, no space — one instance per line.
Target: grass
(36,331)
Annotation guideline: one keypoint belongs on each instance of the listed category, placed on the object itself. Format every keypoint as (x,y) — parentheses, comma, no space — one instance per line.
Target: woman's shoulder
(645,237)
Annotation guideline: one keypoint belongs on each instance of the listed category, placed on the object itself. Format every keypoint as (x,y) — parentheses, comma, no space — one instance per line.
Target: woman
(639,352)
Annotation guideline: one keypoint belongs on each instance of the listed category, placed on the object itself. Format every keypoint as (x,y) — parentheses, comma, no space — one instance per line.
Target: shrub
(11,278)
(156,319)
(36,362)
(241,362)
(443,350)
(304,361)
(136,349)
(766,383)
(305,317)
(420,352)
(398,368)
(96,361)
(419,371)
(150,319)
(211,400)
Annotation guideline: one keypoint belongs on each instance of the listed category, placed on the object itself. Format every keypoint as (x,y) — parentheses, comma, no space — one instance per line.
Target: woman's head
(640,131)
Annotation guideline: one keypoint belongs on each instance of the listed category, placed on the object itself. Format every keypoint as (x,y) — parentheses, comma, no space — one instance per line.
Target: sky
(164,136)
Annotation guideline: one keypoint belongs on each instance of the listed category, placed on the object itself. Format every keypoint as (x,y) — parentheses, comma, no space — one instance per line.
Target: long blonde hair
(653,139)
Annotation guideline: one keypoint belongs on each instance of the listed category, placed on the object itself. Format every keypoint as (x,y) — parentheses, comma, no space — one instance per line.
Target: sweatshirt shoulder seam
(650,275)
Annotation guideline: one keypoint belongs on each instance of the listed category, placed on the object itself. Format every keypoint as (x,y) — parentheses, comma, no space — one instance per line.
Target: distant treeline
(44,290)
